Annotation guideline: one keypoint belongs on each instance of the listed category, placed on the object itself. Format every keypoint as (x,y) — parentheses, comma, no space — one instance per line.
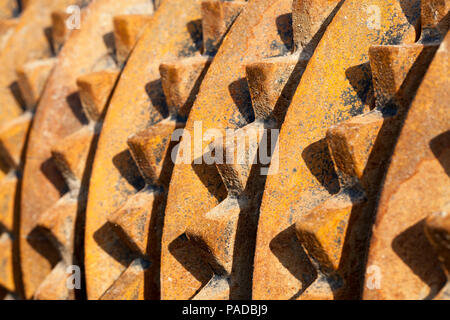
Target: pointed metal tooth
(308,21)
(12,139)
(157,3)
(127,30)
(390,67)
(351,142)
(71,153)
(95,90)
(130,284)
(4,168)
(6,261)
(60,31)
(133,219)
(435,21)
(267,81)
(32,78)
(7,197)
(54,287)
(236,156)
(59,220)
(7,27)
(214,233)
(323,230)
(217,17)
(179,78)
(218,288)
(149,149)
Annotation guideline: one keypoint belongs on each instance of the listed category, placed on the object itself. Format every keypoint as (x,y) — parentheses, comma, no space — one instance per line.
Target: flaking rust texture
(338,188)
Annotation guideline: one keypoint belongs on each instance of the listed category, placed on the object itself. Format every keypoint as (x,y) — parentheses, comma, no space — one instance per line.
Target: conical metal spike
(7,27)
(235,155)
(322,233)
(435,19)
(351,143)
(60,220)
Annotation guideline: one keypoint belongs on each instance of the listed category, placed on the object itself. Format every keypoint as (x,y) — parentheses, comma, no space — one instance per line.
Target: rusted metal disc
(61,142)
(414,202)
(113,268)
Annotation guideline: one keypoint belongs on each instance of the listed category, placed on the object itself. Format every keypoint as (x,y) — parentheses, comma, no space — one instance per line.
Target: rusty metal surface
(305,248)
(262,30)
(222,237)
(338,188)
(28,43)
(84,76)
(415,197)
(9,8)
(113,268)
(23,42)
